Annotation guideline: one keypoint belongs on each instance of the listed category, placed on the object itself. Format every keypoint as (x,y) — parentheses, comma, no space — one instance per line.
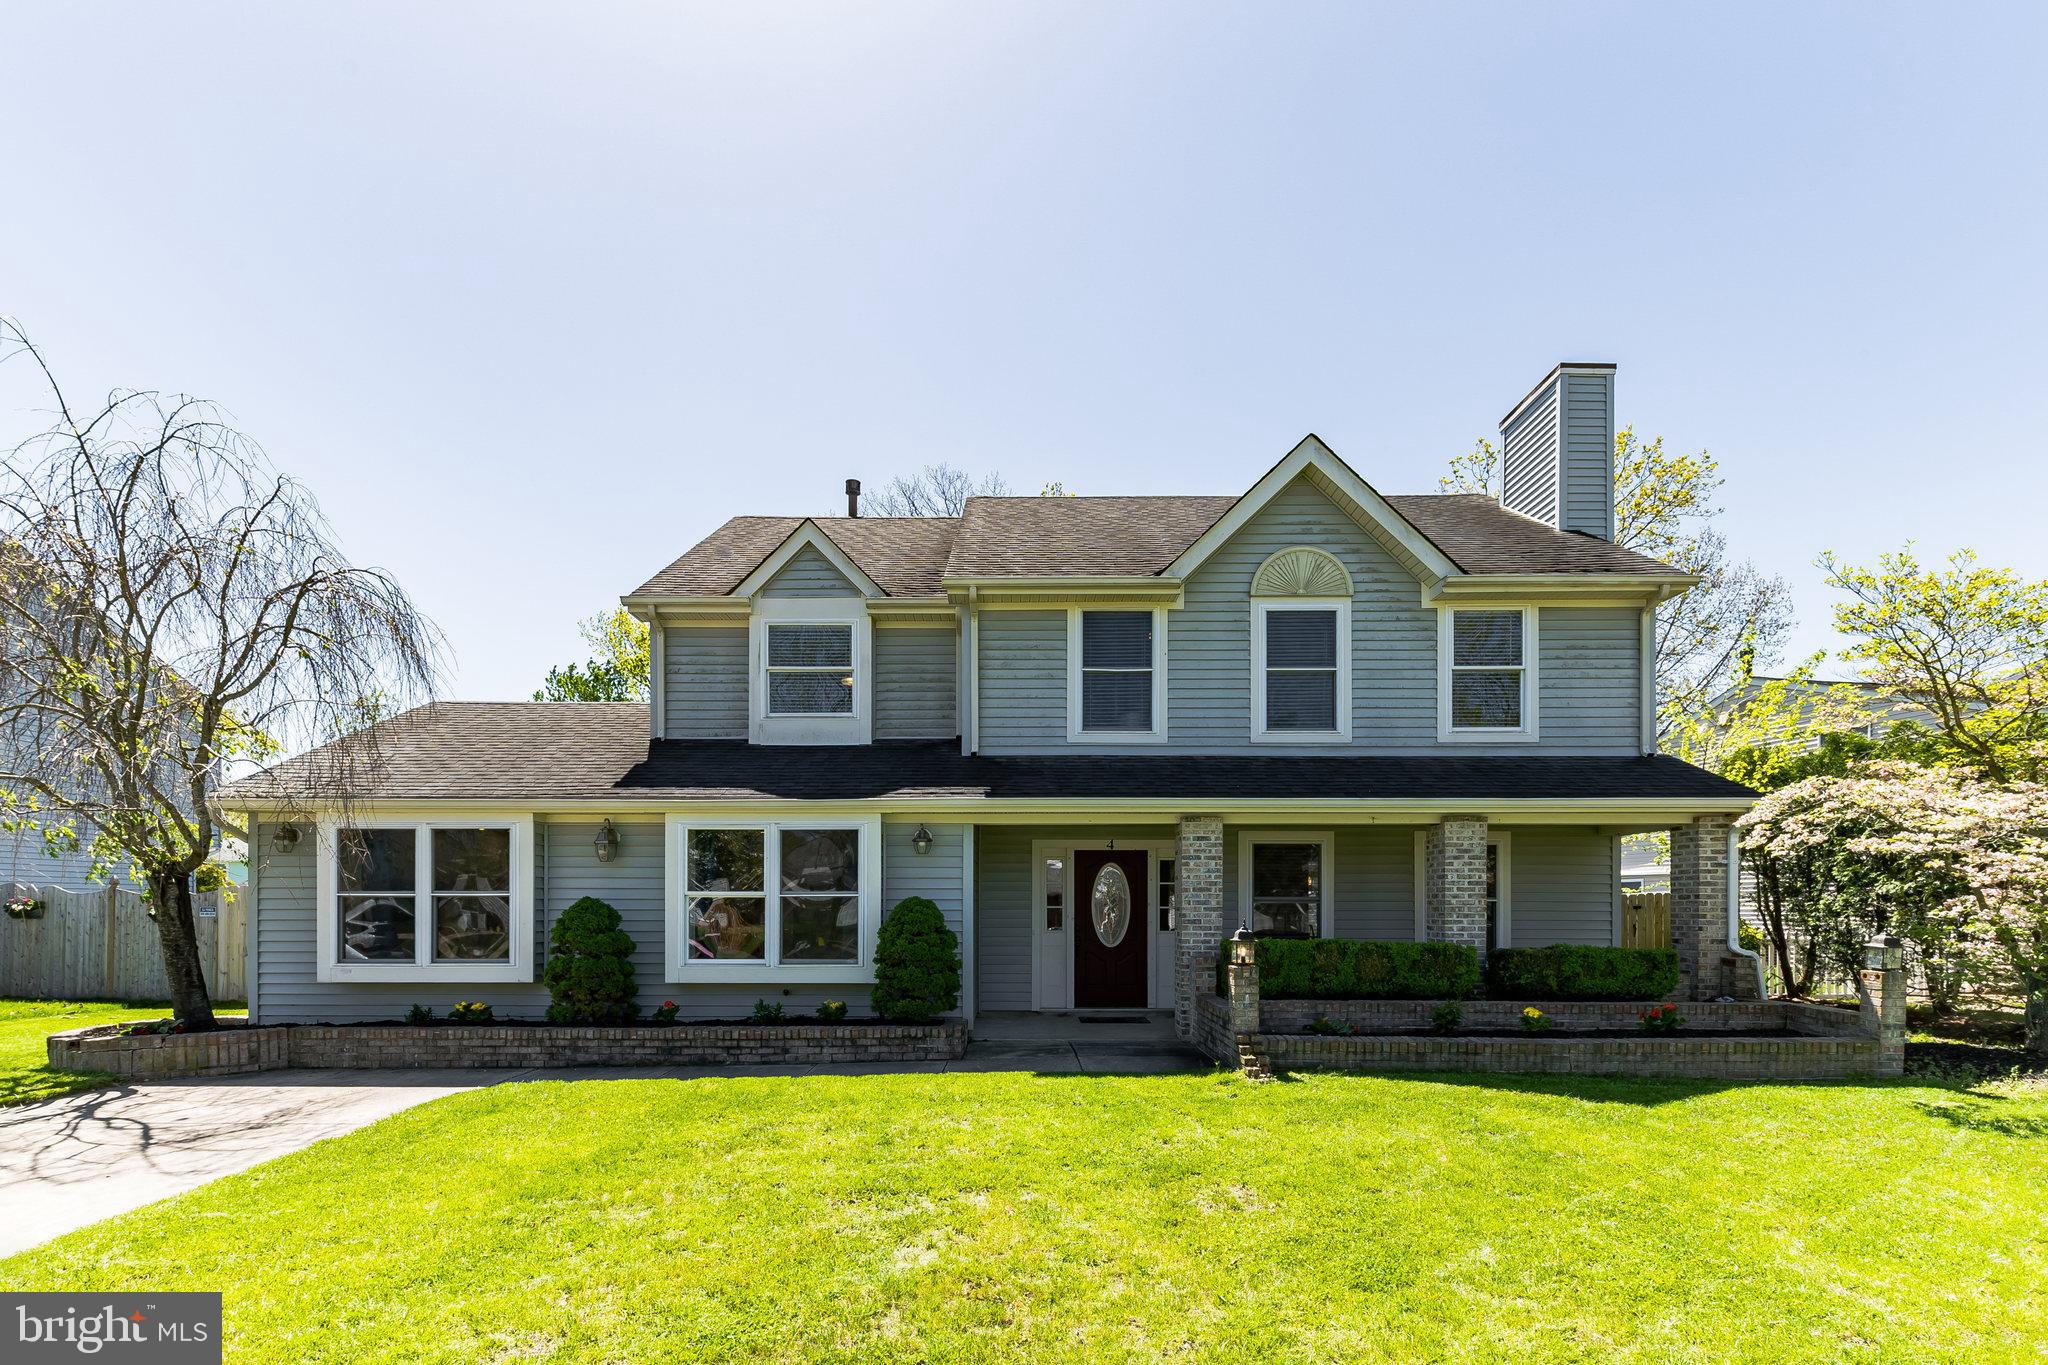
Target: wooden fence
(1646,919)
(102,945)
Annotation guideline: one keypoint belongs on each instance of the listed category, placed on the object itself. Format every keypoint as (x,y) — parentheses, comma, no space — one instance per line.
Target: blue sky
(533,297)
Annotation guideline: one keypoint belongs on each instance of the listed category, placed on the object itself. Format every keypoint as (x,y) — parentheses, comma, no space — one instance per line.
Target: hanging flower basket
(24,907)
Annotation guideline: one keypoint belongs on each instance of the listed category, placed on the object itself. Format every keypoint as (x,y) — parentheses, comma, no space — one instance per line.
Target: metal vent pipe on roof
(853,497)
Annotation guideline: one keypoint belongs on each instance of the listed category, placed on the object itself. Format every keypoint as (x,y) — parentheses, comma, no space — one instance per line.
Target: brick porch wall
(1454,853)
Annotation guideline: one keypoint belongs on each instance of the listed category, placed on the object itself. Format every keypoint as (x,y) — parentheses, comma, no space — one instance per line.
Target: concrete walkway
(68,1162)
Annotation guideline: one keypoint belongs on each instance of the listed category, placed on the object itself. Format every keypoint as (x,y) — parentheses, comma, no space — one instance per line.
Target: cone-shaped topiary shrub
(917,964)
(590,969)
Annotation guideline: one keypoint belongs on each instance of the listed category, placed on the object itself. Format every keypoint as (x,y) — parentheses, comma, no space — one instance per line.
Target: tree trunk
(171,898)
(2036,1034)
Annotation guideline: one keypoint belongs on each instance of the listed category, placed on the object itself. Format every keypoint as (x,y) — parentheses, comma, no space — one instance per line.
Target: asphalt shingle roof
(1111,536)
(599,751)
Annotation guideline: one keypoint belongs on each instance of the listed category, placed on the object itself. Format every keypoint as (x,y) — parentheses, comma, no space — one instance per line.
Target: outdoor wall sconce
(285,839)
(921,841)
(1243,949)
(607,842)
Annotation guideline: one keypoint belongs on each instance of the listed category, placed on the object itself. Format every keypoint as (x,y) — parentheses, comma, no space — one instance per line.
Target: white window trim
(1325,840)
(1525,733)
(682,969)
(854,727)
(1262,608)
(1504,926)
(1155,735)
(327,937)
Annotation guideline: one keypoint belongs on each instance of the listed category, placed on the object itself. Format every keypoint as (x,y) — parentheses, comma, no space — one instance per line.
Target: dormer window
(810,669)
(1486,673)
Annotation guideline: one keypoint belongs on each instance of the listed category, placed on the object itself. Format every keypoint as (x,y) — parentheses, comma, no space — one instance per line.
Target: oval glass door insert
(1109,905)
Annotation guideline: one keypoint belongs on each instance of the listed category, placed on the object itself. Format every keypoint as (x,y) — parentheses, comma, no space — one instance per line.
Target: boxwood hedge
(1573,971)
(1345,969)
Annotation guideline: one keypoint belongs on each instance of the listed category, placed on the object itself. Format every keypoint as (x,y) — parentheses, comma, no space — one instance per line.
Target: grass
(1007,1216)
(25,1074)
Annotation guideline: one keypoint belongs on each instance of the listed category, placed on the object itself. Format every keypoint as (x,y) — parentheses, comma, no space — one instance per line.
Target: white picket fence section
(102,945)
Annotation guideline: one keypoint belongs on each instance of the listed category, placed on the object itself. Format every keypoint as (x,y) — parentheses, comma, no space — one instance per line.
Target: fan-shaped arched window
(1301,648)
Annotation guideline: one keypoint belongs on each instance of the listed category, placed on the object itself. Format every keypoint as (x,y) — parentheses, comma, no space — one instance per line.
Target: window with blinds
(1116,672)
(810,670)
(1301,669)
(1489,670)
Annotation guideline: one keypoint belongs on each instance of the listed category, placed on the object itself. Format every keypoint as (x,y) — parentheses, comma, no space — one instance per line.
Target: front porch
(1073,921)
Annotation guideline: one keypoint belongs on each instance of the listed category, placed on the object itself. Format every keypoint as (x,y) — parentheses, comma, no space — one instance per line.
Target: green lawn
(1060,1218)
(25,1074)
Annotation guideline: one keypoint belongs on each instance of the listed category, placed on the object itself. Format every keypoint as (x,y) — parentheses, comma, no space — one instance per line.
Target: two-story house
(1100,732)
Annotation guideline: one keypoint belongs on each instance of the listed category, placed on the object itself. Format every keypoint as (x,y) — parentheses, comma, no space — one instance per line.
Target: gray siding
(1563,885)
(938,876)
(1373,886)
(25,857)
(705,682)
(808,574)
(1587,657)
(916,677)
(1529,454)
(1588,454)
(1023,667)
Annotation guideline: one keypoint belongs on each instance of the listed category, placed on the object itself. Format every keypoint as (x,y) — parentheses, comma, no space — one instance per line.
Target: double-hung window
(423,901)
(1301,664)
(1116,690)
(810,669)
(767,900)
(1486,681)
(1283,883)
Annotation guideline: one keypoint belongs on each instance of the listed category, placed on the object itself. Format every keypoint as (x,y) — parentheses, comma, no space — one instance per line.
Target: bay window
(768,900)
(425,901)
(1486,673)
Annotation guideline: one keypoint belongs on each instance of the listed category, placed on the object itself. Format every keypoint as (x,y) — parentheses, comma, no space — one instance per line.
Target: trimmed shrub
(917,964)
(1577,971)
(590,970)
(1345,969)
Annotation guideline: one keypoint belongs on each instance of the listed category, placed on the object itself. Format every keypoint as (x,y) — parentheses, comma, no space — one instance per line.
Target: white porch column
(1198,911)
(1455,882)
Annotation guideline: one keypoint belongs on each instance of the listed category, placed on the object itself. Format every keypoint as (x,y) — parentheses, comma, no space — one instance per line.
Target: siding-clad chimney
(853,497)
(1557,450)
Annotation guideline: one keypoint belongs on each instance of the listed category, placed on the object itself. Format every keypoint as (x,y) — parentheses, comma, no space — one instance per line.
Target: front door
(1111,921)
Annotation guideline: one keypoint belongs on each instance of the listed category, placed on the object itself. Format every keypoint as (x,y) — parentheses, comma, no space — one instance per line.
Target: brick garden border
(376,1046)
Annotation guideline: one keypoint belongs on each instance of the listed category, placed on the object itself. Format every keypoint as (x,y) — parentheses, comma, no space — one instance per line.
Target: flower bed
(507,1044)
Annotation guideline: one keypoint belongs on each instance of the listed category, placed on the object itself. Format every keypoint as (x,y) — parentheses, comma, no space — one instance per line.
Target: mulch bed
(1987,1061)
(1688,1035)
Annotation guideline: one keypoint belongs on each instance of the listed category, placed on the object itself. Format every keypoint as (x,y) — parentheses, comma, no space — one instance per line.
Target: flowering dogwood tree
(1955,865)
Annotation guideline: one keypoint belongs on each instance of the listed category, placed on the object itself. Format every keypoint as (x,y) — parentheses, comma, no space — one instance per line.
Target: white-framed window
(811,667)
(767,900)
(1116,674)
(1486,673)
(1500,899)
(1301,669)
(425,900)
(1285,881)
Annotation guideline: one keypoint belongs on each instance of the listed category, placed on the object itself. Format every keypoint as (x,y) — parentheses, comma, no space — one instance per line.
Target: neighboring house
(1816,707)
(1100,732)
(1644,866)
(26,859)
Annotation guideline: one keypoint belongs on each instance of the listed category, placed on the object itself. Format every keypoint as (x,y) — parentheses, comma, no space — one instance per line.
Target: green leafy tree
(1967,642)
(917,964)
(590,966)
(617,669)
(1664,502)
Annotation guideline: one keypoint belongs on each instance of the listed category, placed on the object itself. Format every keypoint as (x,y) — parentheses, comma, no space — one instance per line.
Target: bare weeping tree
(173,611)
